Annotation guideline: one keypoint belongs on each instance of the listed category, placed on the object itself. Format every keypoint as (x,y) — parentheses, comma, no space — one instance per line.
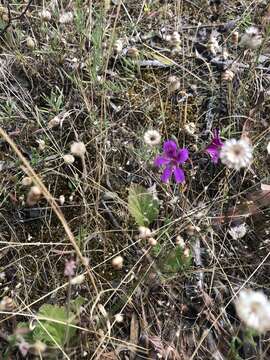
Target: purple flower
(172,157)
(214,148)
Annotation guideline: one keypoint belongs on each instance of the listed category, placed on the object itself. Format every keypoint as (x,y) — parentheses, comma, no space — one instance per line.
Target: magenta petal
(213,151)
(182,156)
(179,175)
(161,160)
(170,148)
(166,174)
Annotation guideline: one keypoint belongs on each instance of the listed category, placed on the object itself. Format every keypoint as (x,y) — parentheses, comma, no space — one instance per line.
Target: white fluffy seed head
(238,232)
(78,149)
(251,39)
(45,15)
(118,46)
(68,159)
(152,137)
(253,308)
(236,154)
(117,262)
(66,17)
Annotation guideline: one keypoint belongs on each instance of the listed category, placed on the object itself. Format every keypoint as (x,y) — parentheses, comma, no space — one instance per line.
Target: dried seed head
(33,196)
(152,241)
(190,128)
(144,232)
(39,347)
(251,39)
(45,15)
(41,144)
(7,304)
(268,148)
(77,280)
(227,75)
(133,52)
(235,38)
(68,159)
(54,122)
(238,232)
(62,200)
(26,181)
(152,137)
(180,241)
(119,318)
(30,42)
(117,262)
(173,84)
(175,39)
(78,149)
(118,46)
(66,17)
(236,154)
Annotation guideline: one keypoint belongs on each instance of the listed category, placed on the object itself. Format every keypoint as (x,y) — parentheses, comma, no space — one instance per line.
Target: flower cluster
(235,154)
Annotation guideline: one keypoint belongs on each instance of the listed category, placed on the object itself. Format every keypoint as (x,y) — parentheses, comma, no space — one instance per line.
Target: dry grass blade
(30,172)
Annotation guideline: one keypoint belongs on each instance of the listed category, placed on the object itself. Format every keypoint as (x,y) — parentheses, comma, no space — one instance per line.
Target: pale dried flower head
(54,122)
(236,154)
(41,144)
(175,38)
(152,241)
(118,46)
(268,148)
(78,149)
(133,52)
(119,318)
(62,199)
(117,262)
(66,17)
(7,304)
(190,128)
(39,347)
(227,75)
(33,196)
(26,181)
(253,308)
(152,137)
(180,241)
(173,83)
(68,159)
(251,39)
(45,15)
(30,42)
(77,280)
(238,232)
(144,232)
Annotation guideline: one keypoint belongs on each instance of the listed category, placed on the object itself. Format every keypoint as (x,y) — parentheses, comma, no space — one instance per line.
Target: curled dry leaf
(253,204)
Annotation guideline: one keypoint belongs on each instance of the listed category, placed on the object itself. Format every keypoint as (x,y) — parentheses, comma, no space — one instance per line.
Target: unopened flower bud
(119,318)
(180,241)
(152,241)
(62,200)
(144,232)
(7,304)
(54,122)
(235,38)
(133,52)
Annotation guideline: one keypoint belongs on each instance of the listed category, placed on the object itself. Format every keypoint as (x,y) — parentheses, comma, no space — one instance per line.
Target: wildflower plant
(214,148)
(172,158)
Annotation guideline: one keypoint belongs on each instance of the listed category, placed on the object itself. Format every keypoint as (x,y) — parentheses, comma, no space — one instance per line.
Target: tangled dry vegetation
(81,82)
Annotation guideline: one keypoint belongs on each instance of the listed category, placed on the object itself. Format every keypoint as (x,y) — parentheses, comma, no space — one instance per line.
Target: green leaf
(142,206)
(76,304)
(175,260)
(49,330)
